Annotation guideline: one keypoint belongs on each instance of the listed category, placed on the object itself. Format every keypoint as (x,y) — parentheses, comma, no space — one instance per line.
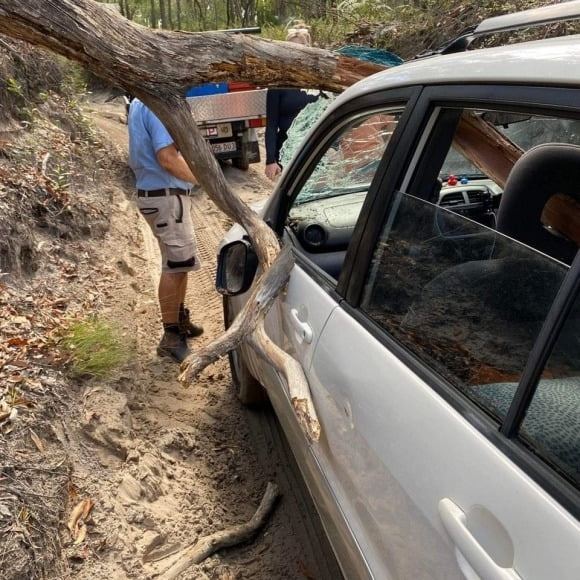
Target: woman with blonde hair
(282,107)
(299,32)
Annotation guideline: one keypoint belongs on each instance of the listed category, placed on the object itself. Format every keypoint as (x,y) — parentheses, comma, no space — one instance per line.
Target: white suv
(440,336)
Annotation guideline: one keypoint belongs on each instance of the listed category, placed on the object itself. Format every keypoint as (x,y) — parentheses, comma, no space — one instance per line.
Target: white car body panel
(303,300)
(436,455)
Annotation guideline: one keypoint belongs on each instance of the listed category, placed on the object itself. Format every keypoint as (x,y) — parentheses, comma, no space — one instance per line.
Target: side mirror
(236,268)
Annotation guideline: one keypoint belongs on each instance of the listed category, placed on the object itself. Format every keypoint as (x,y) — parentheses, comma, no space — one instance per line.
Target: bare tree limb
(205,547)
(293,373)
(265,290)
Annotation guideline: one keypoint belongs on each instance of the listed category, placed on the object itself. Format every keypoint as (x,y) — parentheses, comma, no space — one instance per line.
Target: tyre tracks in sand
(266,435)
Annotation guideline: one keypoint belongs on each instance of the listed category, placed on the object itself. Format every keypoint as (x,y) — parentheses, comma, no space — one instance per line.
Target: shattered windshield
(350,162)
(305,120)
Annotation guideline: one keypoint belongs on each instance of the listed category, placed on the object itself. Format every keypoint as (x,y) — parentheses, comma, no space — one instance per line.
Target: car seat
(540,173)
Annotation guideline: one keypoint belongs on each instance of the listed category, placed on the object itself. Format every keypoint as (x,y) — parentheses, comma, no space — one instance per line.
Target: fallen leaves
(31,323)
(37,441)
(77,522)
(10,402)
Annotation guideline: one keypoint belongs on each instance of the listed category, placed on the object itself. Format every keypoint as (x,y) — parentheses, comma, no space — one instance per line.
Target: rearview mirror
(236,268)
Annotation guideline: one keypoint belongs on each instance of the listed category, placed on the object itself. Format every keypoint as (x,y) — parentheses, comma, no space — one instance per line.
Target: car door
(442,383)
(327,198)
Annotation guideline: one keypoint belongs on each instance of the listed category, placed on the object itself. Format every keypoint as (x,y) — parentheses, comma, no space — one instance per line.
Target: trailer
(228,115)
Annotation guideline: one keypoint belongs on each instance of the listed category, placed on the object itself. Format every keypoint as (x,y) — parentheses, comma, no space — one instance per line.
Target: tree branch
(225,538)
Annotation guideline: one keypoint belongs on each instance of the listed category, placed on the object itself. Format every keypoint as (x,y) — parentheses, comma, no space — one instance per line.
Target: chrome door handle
(454,521)
(303,329)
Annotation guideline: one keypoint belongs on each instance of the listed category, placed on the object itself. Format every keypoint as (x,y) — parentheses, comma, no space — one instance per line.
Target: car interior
(540,189)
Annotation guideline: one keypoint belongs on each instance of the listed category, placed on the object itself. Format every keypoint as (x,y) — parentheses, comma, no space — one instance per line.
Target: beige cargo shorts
(169,218)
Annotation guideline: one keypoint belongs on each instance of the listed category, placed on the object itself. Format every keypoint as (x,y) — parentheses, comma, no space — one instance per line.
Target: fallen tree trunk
(157,62)
(490,151)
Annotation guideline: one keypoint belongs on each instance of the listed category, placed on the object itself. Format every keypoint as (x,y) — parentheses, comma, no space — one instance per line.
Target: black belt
(162,192)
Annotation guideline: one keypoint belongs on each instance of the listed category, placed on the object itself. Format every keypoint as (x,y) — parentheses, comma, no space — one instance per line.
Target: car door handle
(303,329)
(455,522)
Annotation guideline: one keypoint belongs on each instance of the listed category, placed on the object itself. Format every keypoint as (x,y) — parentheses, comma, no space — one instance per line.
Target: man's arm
(173,162)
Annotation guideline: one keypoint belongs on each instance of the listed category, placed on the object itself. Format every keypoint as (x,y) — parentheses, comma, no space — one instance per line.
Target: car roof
(546,62)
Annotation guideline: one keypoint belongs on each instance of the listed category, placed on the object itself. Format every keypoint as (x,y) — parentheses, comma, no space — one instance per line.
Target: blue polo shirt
(147,135)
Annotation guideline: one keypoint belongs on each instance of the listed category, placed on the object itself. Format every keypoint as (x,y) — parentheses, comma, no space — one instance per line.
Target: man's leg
(172,287)
(185,325)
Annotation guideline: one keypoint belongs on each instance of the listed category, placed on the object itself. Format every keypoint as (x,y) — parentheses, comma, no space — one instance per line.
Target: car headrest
(540,173)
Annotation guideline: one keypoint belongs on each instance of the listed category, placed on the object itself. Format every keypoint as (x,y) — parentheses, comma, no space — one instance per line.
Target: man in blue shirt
(164,182)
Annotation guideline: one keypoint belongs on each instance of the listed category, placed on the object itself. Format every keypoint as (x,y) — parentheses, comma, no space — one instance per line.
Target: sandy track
(177,464)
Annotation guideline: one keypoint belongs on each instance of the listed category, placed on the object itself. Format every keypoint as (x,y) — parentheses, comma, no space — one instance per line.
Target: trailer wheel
(242,162)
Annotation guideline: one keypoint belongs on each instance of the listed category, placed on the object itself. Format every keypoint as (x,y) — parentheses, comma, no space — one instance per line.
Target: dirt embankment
(154,466)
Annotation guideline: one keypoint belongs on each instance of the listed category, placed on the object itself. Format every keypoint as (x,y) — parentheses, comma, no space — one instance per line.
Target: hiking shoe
(174,345)
(186,326)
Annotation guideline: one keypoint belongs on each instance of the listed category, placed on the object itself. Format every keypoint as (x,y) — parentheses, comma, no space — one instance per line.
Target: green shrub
(94,348)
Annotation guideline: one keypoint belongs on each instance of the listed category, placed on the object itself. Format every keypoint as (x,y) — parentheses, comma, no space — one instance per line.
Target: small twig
(44,165)
(11,50)
(205,547)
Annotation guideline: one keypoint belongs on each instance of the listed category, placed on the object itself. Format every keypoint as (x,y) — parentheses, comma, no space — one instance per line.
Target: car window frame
(408,177)
(317,143)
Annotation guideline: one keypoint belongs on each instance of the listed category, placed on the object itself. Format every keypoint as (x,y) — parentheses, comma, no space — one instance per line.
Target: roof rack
(566,10)
(251,30)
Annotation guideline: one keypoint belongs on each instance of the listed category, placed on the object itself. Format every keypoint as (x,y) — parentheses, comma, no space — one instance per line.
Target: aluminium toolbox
(228,106)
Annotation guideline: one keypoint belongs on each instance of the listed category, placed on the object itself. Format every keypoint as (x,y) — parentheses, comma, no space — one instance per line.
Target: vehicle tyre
(250,392)
(242,162)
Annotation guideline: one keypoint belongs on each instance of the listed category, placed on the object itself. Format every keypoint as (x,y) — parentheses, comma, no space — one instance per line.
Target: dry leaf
(17,341)
(78,517)
(37,441)
(81,535)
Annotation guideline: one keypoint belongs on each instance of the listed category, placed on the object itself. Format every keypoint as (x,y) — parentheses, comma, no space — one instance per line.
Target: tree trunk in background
(249,13)
(178,16)
(169,16)
(153,15)
(163,15)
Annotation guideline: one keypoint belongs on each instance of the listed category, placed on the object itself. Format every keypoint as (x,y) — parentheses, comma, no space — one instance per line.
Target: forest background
(405,27)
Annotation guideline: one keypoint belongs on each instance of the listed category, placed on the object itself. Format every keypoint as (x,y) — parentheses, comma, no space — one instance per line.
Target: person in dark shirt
(282,107)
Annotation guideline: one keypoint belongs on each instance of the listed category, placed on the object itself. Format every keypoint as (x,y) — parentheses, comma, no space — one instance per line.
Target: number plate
(222,130)
(223,147)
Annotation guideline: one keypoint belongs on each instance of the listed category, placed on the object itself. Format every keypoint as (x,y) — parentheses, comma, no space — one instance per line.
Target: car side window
(551,426)
(464,298)
(324,213)
(465,281)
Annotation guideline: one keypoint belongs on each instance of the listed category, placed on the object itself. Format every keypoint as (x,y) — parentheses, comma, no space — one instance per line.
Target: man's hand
(173,162)
(272,171)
